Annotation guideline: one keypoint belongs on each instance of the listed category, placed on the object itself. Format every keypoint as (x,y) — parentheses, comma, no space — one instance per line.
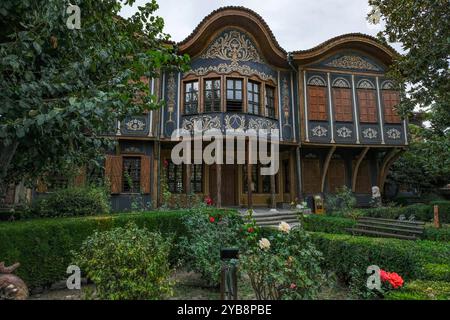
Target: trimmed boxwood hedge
(422,212)
(43,246)
(421,290)
(338,225)
(349,256)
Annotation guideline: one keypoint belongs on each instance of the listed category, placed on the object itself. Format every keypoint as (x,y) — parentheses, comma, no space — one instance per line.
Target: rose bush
(283,265)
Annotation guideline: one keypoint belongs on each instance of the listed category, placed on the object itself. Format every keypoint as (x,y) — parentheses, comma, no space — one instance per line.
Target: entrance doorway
(229,185)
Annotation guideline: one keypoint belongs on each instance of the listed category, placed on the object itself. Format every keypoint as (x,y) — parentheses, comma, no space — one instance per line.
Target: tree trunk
(6,156)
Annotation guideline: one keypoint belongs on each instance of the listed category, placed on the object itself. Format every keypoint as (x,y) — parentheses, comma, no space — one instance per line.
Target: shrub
(436,271)
(43,246)
(343,202)
(286,265)
(422,290)
(126,263)
(421,212)
(349,256)
(320,223)
(72,202)
(207,231)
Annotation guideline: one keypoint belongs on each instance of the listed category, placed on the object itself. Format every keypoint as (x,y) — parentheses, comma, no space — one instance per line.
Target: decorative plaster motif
(319,131)
(365,84)
(387,85)
(340,83)
(393,134)
(233,46)
(285,102)
(317,81)
(370,133)
(234,122)
(202,123)
(171,96)
(132,150)
(344,132)
(224,68)
(135,125)
(261,124)
(352,62)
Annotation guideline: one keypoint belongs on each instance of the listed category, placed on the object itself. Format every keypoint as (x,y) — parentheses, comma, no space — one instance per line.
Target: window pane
(238,84)
(238,95)
(230,94)
(230,84)
(208,84)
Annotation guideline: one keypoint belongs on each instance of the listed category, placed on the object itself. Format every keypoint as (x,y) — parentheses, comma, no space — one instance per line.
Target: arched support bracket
(388,160)
(325,167)
(356,169)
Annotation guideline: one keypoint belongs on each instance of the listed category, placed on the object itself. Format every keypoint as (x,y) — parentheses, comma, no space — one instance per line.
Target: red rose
(209,201)
(293,286)
(250,229)
(395,280)
(166,163)
(384,276)
(211,219)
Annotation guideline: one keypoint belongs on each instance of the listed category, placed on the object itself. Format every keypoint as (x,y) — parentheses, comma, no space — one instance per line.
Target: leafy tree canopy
(61,88)
(423,29)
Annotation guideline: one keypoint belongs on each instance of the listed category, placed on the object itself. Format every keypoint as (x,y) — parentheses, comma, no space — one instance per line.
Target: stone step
(277,217)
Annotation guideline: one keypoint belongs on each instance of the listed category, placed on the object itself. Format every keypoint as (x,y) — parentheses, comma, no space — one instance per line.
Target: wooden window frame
(197,168)
(204,91)
(316,114)
(243,92)
(342,112)
(371,114)
(390,114)
(173,168)
(267,106)
(184,93)
(251,94)
(135,179)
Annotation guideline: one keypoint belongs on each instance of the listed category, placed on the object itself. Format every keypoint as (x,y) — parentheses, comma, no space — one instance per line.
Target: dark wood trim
(325,167)
(389,159)
(357,165)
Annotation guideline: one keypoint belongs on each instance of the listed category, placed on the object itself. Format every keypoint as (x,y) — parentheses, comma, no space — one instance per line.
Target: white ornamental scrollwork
(234,122)
(202,123)
(261,124)
(370,133)
(352,62)
(225,68)
(317,81)
(233,46)
(319,131)
(365,84)
(393,134)
(135,125)
(344,132)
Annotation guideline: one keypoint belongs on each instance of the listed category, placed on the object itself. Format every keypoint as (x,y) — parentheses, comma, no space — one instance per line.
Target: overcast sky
(297,24)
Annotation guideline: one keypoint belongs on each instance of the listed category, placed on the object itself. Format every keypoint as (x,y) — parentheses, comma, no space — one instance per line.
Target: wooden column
(325,167)
(188,179)
(249,178)
(219,185)
(388,160)
(356,168)
(273,203)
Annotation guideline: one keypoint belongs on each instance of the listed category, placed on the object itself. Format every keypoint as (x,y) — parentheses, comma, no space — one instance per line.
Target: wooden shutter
(363,182)
(41,186)
(113,172)
(311,175)
(317,101)
(342,101)
(80,179)
(336,175)
(367,105)
(391,99)
(145,174)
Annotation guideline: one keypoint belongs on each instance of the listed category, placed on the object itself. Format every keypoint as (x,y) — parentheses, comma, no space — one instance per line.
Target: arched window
(342,100)
(367,101)
(390,98)
(317,99)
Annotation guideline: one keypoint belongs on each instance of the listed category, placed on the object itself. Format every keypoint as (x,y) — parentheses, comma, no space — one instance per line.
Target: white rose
(264,244)
(284,227)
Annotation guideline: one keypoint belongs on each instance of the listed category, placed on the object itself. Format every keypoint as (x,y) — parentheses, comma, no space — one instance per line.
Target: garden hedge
(43,246)
(421,290)
(422,212)
(349,256)
(338,225)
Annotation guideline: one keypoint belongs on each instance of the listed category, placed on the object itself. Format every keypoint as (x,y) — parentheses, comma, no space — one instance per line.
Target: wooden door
(228,184)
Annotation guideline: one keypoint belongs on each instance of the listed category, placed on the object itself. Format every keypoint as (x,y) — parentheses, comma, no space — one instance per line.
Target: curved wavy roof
(252,22)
